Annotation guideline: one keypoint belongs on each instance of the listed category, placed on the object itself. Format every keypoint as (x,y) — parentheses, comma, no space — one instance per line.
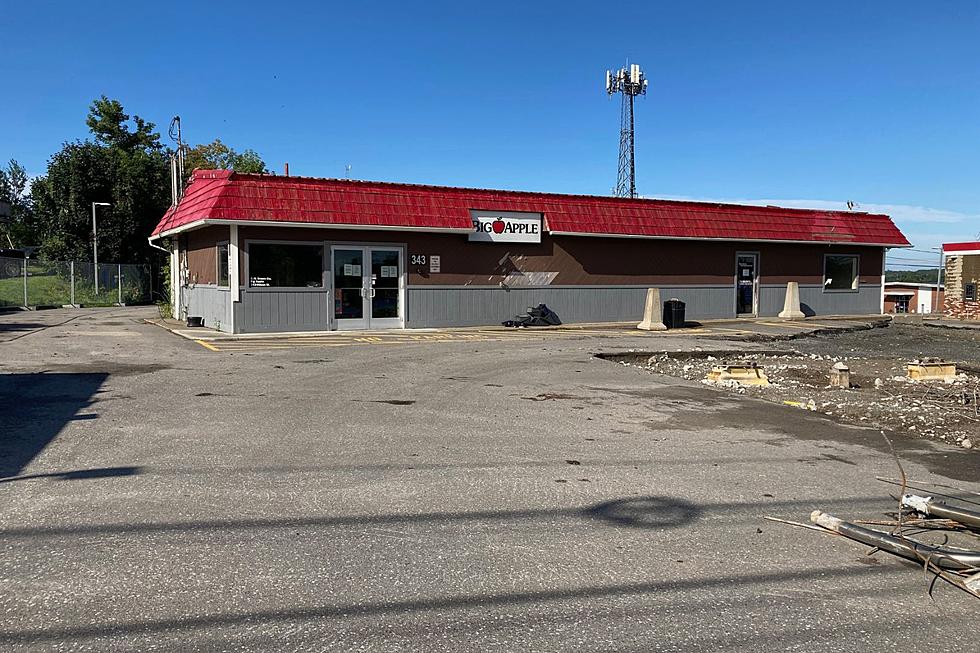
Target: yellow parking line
(207,345)
(786,325)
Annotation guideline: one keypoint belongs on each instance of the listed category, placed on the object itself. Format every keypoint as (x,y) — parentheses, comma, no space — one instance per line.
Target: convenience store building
(266,253)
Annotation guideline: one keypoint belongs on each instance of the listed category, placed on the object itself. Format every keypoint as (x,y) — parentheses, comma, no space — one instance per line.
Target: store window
(222,265)
(274,265)
(840,272)
(970,292)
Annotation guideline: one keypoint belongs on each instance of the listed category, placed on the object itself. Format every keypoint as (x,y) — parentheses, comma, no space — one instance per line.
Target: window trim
(217,264)
(247,252)
(857,273)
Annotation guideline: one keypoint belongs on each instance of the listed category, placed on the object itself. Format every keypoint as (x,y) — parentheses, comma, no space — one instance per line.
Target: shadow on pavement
(21,326)
(462,601)
(639,512)
(78,474)
(34,408)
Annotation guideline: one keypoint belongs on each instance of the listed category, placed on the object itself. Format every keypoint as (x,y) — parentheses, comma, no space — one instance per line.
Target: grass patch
(55,290)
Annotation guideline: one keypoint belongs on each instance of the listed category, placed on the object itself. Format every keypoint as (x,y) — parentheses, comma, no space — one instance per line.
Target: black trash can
(674,313)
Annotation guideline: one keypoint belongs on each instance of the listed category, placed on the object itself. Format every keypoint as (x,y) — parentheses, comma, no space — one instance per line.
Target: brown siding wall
(575,260)
(201,245)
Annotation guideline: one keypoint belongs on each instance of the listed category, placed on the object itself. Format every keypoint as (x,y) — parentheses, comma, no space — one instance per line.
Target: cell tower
(630,83)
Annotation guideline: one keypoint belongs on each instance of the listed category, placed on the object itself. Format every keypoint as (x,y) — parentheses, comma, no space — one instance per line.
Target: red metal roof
(222,195)
(971,247)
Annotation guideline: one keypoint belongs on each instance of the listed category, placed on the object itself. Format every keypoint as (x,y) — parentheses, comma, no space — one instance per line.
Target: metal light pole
(95,245)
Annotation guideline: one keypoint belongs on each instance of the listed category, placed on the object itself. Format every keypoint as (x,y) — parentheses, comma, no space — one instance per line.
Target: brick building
(962,280)
(905,297)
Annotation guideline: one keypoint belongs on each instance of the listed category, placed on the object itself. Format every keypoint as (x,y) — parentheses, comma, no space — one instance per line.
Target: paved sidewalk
(741,329)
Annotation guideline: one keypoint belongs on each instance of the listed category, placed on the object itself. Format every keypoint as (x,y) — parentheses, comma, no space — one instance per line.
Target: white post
(25,282)
(884,254)
(233,264)
(939,282)
(233,281)
(175,280)
(119,281)
(71,275)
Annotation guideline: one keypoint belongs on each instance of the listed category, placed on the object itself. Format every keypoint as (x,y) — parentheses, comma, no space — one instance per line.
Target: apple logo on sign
(497,226)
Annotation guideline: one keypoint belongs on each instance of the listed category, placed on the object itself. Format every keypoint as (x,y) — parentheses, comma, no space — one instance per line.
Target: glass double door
(368,287)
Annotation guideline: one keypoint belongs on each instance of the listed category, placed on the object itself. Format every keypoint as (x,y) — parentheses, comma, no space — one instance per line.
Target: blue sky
(803,104)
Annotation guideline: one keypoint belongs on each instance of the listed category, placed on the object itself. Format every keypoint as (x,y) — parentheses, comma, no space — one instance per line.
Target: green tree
(17,229)
(107,122)
(218,156)
(126,166)
(925,275)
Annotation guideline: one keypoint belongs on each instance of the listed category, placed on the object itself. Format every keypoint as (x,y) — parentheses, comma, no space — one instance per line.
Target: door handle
(373,292)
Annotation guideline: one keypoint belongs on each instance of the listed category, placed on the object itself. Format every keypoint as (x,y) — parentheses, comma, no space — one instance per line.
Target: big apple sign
(506,227)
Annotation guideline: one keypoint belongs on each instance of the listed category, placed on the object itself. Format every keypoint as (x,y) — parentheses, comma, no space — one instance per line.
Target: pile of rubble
(926,397)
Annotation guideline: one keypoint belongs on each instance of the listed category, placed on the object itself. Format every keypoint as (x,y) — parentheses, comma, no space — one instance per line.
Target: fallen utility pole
(932,508)
(942,558)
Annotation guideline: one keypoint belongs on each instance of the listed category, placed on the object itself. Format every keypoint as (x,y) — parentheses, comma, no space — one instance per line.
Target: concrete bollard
(791,305)
(840,376)
(653,312)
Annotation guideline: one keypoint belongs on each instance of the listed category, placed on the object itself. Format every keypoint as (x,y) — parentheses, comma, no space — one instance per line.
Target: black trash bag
(539,315)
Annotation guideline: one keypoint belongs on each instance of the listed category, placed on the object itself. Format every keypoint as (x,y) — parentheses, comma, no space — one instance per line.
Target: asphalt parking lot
(496,494)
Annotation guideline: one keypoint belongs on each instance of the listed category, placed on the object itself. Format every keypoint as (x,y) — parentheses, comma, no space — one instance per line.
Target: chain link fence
(28,282)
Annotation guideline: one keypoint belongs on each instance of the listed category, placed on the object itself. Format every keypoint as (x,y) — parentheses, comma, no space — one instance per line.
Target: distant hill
(926,275)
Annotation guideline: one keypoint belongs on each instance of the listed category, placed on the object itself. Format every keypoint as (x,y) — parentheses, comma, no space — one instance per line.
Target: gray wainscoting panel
(481,305)
(211,303)
(814,301)
(293,310)
(443,306)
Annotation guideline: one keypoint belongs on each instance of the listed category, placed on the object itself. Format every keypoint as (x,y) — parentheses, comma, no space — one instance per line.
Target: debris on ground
(958,566)
(860,378)
(941,536)
(743,373)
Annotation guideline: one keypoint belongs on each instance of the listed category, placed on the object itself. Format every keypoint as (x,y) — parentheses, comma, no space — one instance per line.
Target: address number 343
(418,259)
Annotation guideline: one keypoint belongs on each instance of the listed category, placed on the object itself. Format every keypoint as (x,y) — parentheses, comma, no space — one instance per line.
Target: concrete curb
(852,323)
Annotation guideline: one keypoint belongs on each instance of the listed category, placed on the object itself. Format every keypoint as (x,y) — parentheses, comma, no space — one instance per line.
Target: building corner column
(175,279)
(884,257)
(233,272)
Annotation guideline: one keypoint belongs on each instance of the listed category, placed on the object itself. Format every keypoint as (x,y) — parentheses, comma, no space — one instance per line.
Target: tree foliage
(123,164)
(108,123)
(18,229)
(925,275)
(218,156)
(126,166)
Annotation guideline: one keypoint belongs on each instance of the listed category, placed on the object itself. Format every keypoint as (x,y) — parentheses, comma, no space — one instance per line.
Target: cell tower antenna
(629,81)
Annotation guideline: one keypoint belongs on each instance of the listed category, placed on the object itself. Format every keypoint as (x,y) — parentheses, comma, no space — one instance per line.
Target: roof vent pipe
(286,171)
